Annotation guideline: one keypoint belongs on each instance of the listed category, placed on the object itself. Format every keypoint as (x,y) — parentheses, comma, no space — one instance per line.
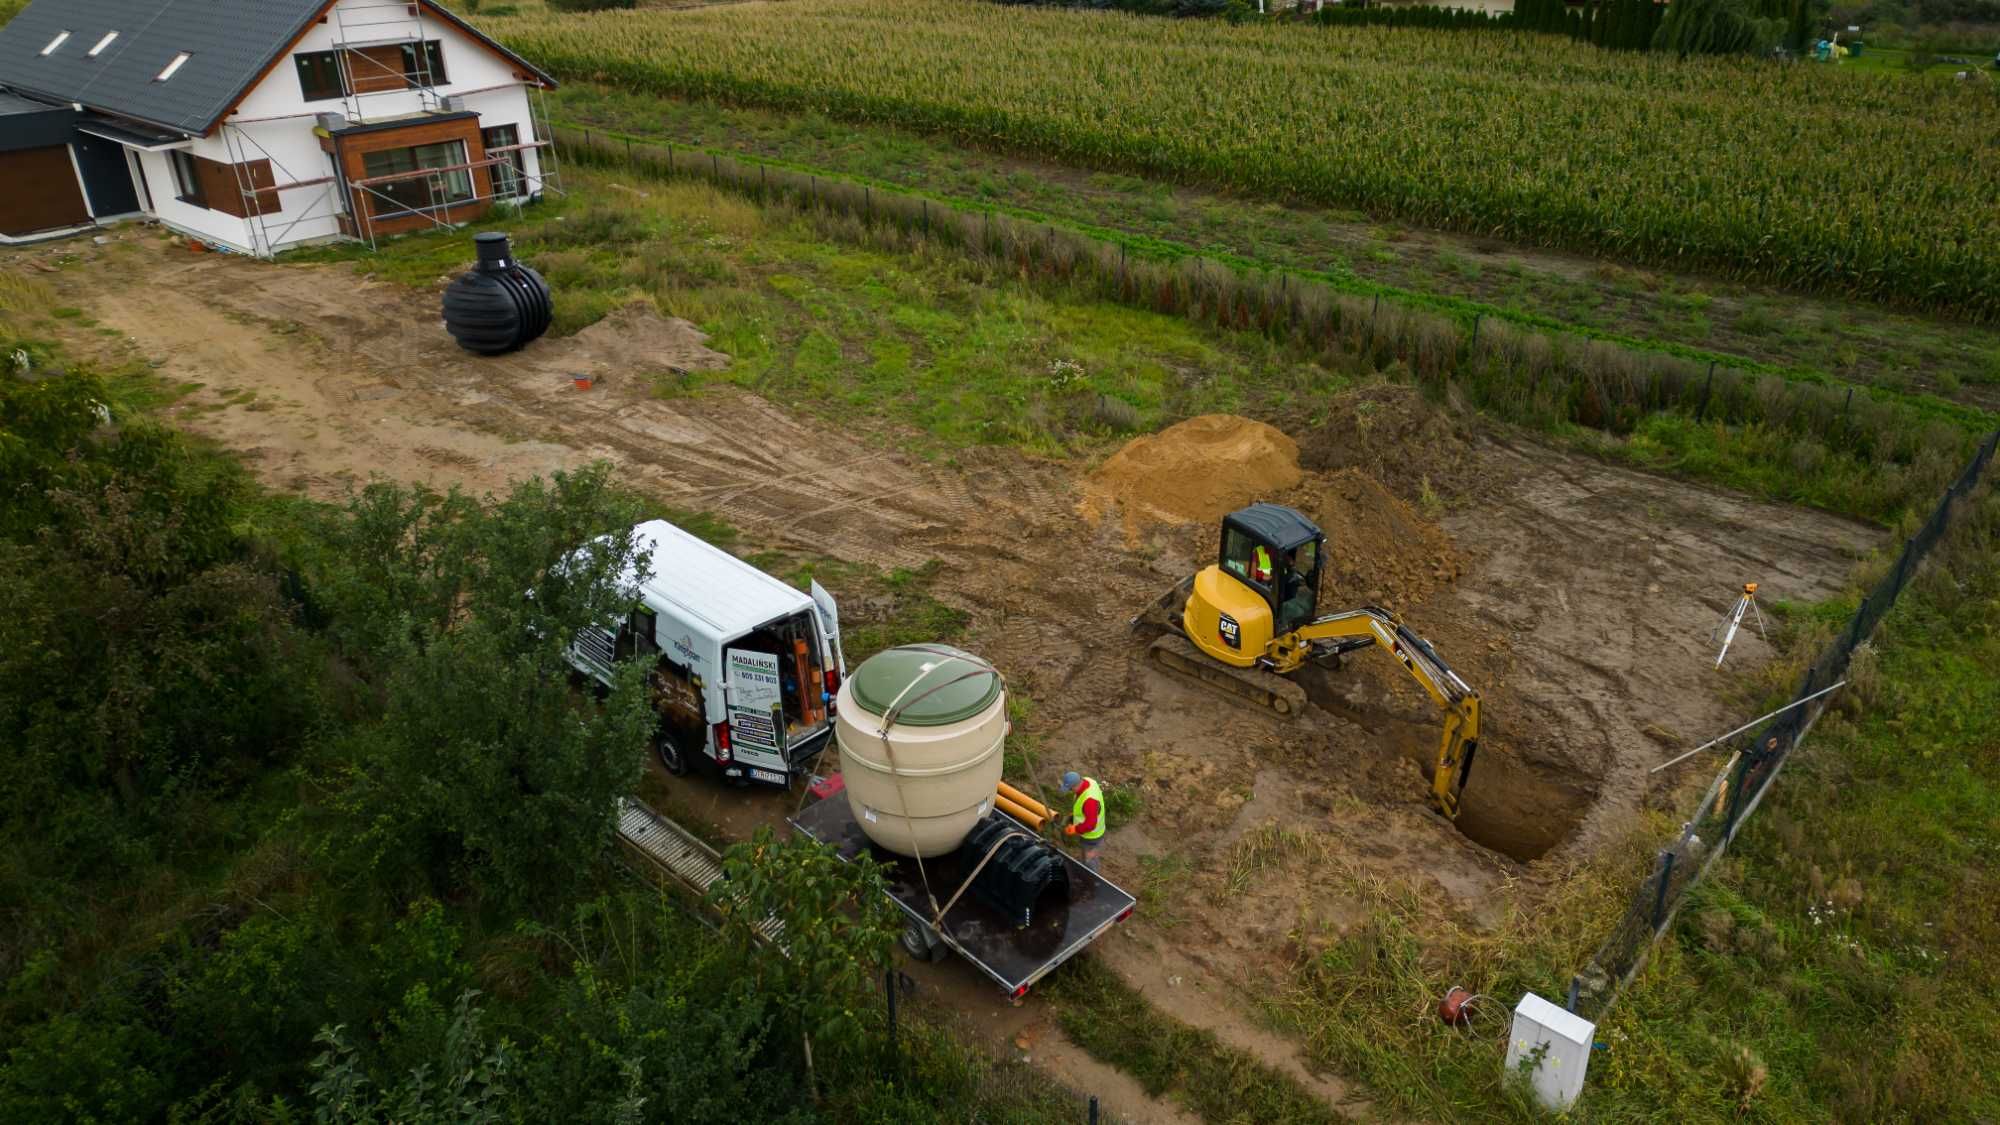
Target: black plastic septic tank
(500,305)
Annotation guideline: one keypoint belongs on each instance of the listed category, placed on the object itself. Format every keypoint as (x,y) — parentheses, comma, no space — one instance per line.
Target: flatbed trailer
(1013,957)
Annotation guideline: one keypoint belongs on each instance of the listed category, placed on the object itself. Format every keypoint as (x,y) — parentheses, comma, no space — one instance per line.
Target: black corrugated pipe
(499,305)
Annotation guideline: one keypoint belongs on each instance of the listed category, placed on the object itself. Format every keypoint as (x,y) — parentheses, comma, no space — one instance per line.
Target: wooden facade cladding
(44,193)
(254,193)
(350,149)
(371,70)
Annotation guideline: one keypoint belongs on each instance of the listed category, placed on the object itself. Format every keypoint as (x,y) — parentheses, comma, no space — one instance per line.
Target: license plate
(772,776)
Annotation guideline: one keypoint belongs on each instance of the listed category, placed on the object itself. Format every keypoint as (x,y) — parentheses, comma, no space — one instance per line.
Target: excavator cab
(1277,552)
(1264,584)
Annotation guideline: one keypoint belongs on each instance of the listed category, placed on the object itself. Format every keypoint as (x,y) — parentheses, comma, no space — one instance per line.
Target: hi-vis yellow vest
(1090,793)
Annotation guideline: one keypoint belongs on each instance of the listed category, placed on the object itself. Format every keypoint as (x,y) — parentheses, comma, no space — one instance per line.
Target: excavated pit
(1520,811)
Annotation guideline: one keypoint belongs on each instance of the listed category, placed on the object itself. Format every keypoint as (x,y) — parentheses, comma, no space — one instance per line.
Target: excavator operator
(1260,565)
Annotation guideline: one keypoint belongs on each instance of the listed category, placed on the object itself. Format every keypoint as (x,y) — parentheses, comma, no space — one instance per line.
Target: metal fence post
(1708,385)
(1093,1109)
(1660,895)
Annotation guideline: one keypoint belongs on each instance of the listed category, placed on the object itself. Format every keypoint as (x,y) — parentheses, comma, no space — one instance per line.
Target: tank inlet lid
(956,685)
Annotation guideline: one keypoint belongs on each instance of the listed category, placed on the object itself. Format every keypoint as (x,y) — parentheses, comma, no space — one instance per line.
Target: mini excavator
(1245,624)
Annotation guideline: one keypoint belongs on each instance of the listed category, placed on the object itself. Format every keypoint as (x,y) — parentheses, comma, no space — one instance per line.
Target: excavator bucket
(1164,614)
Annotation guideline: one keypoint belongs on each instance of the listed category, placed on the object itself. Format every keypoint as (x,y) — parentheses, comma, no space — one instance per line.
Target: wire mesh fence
(1754,763)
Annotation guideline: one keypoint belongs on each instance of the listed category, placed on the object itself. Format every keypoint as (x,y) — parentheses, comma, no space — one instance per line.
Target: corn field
(1866,184)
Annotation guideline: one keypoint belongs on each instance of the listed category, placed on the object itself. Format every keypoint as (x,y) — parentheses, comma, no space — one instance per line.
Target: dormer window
(61,37)
(103,43)
(173,67)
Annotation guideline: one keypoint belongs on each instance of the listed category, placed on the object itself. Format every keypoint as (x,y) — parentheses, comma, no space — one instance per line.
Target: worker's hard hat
(1071,780)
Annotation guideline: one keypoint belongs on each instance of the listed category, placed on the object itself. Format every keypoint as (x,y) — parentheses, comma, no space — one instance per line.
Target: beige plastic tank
(919,784)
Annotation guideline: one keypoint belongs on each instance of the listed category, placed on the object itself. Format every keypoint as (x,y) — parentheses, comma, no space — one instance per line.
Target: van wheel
(917,942)
(673,753)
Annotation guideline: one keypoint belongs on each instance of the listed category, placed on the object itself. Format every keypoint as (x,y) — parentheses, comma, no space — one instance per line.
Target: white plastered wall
(275,122)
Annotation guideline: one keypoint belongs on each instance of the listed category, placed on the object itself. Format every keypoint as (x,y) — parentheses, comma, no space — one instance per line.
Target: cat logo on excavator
(1244,626)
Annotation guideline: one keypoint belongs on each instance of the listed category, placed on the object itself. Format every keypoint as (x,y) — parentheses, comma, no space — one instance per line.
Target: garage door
(38,191)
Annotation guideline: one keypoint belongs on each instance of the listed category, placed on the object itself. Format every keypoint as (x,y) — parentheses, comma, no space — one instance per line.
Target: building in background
(261,124)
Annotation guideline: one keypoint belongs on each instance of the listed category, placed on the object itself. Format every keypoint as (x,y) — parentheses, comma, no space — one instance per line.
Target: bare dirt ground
(1579,602)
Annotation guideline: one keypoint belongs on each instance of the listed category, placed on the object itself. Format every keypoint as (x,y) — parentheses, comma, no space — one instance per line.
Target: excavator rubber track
(1177,654)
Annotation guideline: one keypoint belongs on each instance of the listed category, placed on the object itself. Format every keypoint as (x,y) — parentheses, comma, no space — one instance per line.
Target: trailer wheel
(673,753)
(918,944)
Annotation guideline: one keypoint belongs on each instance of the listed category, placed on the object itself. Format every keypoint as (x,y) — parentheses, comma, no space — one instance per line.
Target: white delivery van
(745,669)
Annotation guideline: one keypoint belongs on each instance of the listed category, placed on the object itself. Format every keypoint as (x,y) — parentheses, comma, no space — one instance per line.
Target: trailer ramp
(664,848)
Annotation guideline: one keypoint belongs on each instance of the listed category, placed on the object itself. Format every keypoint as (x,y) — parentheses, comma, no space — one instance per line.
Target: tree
(1714,27)
(486,772)
(470,1085)
(839,928)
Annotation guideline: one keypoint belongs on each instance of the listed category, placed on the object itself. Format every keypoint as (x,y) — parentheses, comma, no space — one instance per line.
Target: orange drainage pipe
(1023,800)
(1019,813)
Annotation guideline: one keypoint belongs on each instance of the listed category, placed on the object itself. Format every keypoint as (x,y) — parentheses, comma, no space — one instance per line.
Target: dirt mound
(634,339)
(1196,471)
(1378,550)
(1391,433)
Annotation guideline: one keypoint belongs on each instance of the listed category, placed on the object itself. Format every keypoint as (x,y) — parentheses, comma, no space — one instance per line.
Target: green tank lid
(952,691)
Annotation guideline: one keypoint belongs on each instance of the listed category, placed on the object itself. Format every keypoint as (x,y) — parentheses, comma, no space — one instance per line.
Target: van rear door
(756,714)
(829,624)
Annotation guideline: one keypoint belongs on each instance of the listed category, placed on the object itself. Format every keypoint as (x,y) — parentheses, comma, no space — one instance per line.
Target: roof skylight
(179,61)
(54,43)
(103,43)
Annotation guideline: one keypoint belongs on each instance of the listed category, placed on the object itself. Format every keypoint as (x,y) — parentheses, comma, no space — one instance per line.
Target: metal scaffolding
(358,29)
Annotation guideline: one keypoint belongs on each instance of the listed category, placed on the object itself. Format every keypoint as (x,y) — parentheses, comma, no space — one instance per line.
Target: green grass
(832,316)
(929,338)
(1839,963)
(1849,339)
(878,610)
(1173,1060)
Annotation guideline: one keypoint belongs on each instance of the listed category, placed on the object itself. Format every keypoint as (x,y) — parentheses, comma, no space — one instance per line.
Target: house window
(187,184)
(418,193)
(320,77)
(510,178)
(423,63)
(109,36)
(174,67)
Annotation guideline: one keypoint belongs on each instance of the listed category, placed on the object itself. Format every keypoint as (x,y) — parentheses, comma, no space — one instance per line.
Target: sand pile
(634,339)
(1377,550)
(1194,472)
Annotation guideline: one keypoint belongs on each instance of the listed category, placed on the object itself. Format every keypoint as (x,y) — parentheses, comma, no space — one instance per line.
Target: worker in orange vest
(1086,821)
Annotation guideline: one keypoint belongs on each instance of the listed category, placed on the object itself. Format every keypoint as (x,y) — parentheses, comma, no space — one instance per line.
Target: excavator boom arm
(1372,625)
